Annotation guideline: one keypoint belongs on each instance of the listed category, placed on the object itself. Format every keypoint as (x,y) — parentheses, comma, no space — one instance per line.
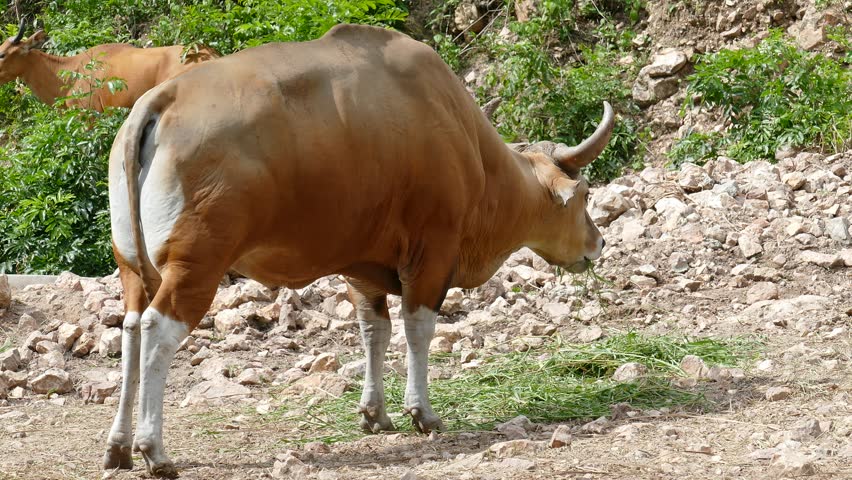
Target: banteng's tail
(141,126)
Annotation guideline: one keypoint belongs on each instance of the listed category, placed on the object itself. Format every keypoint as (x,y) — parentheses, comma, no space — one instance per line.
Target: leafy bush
(54,211)
(773,95)
(75,25)
(229,26)
(543,101)
(695,147)
(547,96)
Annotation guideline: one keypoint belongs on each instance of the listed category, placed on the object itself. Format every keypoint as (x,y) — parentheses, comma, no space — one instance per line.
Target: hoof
(118,457)
(158,465)
(424,421)
(164,470)
(375,421)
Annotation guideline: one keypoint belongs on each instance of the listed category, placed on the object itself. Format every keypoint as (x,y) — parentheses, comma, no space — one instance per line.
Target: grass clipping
(554,383)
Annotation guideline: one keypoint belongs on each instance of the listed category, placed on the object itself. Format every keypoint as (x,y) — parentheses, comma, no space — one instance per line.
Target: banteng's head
(567,236)
(14,53)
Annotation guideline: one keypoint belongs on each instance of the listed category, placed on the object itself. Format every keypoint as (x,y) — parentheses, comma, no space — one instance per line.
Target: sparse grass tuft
(557,382)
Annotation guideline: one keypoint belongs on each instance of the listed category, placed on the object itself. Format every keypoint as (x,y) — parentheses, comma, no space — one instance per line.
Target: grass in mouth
(554,383)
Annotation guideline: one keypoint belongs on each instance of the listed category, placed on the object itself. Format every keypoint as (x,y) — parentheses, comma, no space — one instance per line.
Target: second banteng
(359,154)
(141,69)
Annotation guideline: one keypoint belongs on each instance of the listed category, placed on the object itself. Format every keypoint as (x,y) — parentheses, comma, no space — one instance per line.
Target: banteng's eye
(2,56)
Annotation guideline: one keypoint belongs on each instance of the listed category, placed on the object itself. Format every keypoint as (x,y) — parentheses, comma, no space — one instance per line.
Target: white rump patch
(161,200)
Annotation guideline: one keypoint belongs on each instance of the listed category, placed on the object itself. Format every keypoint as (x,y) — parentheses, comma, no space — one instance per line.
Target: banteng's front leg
(425,285)
(419,329)
(374,319)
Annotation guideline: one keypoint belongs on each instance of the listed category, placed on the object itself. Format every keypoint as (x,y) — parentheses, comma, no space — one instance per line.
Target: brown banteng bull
(360,154)
(141,69)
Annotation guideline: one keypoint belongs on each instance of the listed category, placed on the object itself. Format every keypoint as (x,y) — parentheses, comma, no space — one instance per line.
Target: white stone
(110,342)
(67,334)
(5,292)
(824,260)
(629,372)
(749,245)
(53,380)
(215,392)
(229,321)
(325,362)
(606,205)
(666,63)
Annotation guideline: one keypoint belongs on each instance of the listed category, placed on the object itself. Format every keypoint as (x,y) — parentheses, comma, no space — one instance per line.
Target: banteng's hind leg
(120,440)
(374,319)
(178,307)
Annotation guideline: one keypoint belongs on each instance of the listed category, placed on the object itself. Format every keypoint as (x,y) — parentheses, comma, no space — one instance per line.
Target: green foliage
(773,95)
(632,9)
(229,26)
(54,207)
(822,4)
(548,102)
(842,34)
(75,25)
(545,97)
(91,82)
(695,147)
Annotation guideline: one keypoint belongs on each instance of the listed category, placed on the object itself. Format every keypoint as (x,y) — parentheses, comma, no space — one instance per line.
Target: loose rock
(110,342)
(215,392)
(67,334)
(325,362)
(629,372)
(53,380)
(762,291)
(5,292)
(774,394)
(97,392)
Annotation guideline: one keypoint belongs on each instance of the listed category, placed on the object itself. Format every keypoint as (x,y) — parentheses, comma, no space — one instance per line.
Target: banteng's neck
(512,206)
(42,75)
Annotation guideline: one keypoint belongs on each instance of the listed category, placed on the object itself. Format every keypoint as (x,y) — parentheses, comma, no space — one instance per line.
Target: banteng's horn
(20,34)
(572,159)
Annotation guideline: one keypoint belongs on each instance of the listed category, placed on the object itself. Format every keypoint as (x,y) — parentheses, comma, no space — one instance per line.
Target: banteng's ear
(564,189)
(561,186)
(35,41)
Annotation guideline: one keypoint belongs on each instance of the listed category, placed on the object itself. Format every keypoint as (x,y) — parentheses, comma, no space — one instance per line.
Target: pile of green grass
(555,383)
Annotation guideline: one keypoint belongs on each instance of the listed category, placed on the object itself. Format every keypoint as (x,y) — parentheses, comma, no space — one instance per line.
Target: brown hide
(359,153)
(140,68)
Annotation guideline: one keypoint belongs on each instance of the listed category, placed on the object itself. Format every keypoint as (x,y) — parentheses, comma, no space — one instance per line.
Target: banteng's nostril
(603,243)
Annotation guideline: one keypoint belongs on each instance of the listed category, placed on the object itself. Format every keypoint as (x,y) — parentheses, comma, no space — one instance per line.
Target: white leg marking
(121,435)
(161,336)
(376,333)
(419,329)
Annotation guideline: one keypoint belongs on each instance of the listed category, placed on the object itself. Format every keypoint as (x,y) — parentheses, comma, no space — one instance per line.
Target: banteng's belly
(289,268)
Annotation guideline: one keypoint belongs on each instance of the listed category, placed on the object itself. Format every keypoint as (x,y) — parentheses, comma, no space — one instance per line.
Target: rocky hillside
(667,40)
